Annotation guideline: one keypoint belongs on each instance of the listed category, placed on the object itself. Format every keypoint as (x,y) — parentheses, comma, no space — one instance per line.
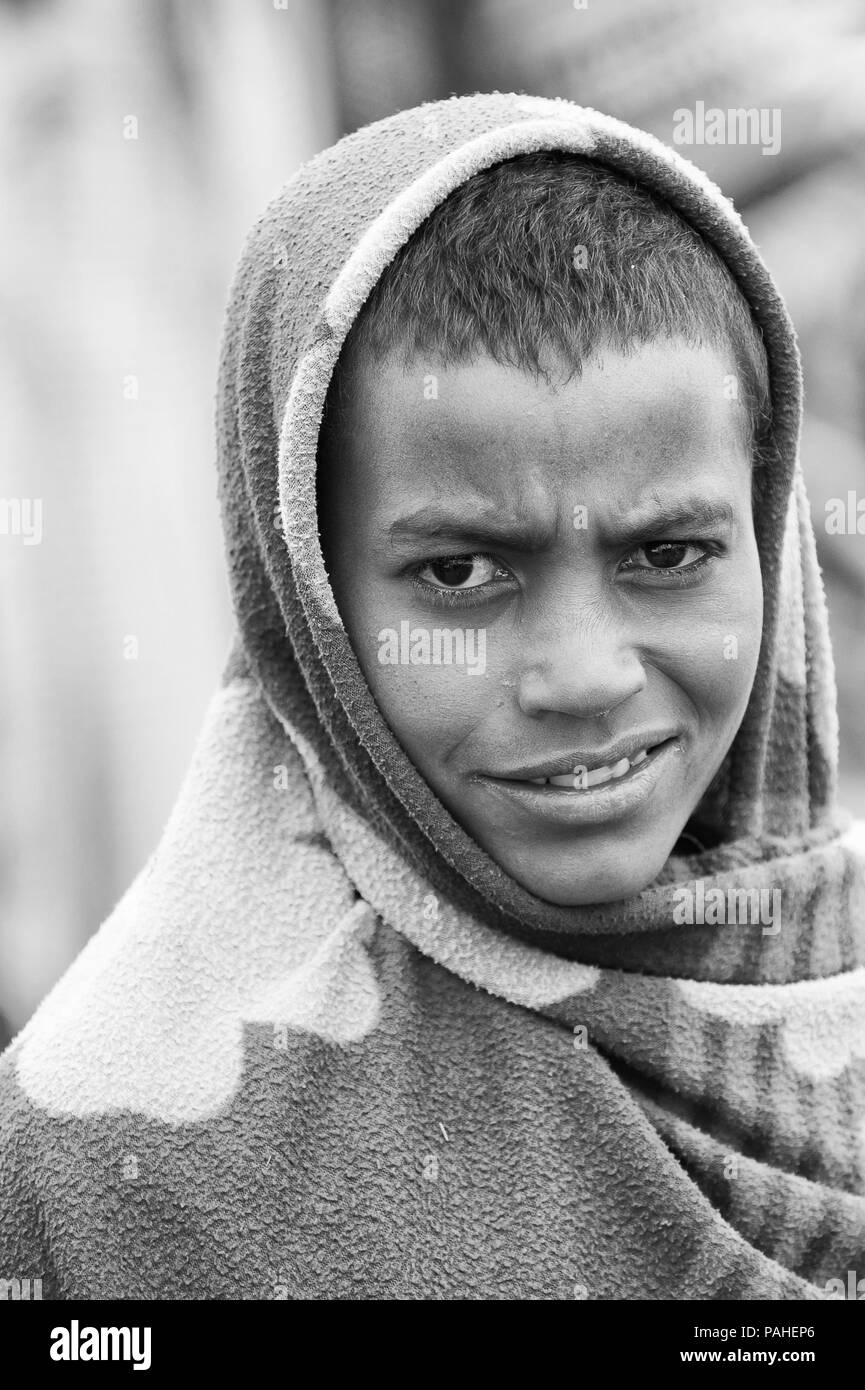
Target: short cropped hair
(551,253)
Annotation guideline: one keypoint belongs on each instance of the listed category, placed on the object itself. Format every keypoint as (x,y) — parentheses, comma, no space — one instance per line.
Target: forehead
(665,413)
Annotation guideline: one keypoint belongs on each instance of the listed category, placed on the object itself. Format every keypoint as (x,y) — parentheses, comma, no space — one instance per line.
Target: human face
(594,538)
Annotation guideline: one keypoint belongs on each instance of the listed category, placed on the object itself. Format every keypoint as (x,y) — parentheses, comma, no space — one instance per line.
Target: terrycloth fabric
(325,1047)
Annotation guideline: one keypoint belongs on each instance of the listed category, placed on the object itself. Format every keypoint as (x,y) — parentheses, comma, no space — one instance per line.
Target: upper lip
(625,747)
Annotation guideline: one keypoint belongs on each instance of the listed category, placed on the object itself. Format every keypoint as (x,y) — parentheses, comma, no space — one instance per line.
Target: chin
(605,875)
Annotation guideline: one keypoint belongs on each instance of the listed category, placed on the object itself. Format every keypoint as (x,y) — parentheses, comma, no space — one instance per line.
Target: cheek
(430,705)
(430,709)
(718,658)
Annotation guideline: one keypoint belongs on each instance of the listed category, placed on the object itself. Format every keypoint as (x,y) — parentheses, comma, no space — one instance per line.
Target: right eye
(460,572)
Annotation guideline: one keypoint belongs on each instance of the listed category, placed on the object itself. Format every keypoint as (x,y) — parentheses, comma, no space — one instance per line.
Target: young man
(505,941)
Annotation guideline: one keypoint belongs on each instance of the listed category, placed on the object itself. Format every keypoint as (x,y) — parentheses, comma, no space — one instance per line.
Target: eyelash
(480,593)
(689,573)
(450,598)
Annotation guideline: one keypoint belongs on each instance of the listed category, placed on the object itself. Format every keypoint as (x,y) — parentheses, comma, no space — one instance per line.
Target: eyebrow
(523,532)
(703,512)
(434,522)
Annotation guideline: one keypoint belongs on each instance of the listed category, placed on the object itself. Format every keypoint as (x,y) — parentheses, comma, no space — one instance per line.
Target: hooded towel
(325,1047)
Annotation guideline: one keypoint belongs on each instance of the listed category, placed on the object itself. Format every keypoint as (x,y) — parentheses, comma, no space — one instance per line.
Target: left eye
(667,555)
(460,571)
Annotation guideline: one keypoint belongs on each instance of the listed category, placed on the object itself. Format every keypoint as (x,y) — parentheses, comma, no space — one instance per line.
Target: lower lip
(611,801)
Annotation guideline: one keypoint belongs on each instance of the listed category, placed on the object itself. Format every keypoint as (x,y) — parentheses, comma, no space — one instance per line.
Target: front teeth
(580,779)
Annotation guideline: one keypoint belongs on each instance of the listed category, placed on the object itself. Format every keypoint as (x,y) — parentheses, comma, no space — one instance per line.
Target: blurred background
(139,140)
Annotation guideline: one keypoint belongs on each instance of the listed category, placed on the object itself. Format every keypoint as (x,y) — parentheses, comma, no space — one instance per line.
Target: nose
(584,666)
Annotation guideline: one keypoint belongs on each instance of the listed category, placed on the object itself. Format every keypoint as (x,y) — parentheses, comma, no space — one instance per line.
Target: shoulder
(241,894)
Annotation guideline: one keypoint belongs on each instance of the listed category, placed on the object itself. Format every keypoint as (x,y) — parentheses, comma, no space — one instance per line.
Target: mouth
(582,771)
(593,790)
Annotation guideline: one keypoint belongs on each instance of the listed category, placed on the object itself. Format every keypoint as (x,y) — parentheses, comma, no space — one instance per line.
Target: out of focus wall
(139,142)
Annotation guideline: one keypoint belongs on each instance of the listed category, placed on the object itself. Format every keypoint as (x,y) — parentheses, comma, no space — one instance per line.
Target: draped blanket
(325,1047)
